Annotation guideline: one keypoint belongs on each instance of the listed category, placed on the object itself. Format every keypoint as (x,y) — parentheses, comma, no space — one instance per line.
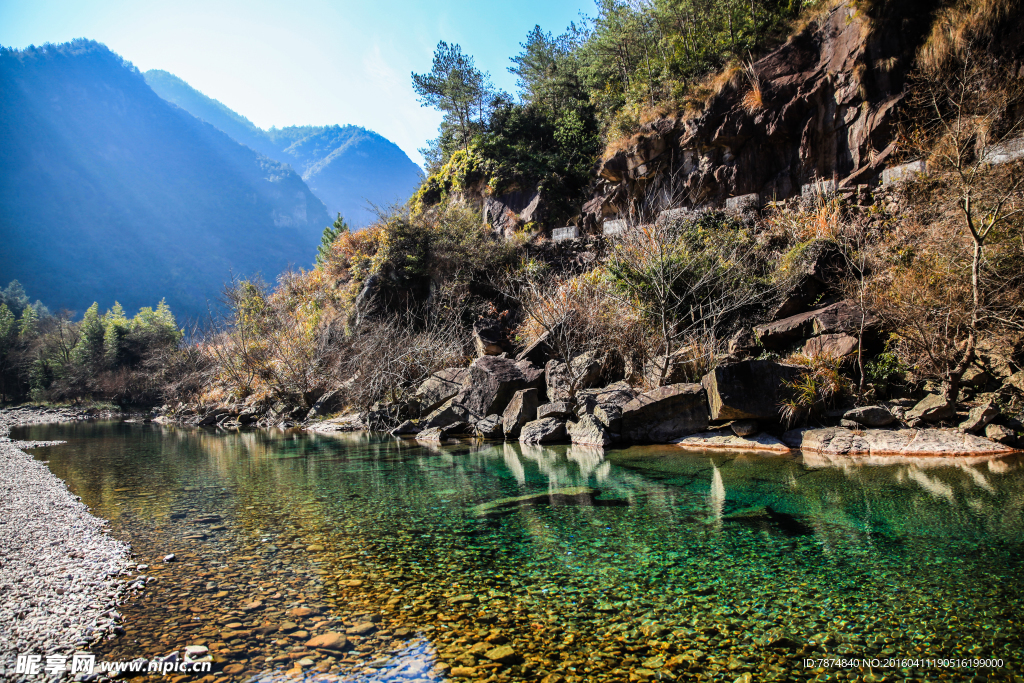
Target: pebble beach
(58,563)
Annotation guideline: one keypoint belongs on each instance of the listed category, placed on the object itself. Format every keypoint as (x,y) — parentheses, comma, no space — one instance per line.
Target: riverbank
(58,562)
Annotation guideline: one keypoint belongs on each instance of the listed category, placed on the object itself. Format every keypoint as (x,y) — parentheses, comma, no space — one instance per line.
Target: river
(508,562)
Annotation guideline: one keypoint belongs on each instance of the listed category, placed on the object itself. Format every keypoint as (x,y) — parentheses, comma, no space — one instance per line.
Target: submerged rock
(564,496)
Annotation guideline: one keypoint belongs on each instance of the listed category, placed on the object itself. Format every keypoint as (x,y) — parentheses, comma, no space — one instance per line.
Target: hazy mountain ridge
(345,166)
(108,192)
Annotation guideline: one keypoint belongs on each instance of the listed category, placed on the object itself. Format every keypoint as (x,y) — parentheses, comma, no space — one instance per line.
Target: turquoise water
(635,564)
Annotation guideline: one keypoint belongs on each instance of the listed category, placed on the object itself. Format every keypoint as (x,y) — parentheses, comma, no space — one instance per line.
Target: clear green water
(684,566)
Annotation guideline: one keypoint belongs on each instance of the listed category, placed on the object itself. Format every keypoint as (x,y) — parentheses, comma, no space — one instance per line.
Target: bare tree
(970,108)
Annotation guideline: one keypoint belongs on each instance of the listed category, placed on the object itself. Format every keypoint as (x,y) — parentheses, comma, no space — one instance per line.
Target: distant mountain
(109,192)
(345,166)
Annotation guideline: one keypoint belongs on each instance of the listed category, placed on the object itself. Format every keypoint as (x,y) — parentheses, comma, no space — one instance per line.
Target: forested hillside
(110,193)
(347,167)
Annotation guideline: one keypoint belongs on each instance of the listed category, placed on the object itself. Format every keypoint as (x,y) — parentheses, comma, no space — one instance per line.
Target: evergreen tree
(331,233)
(115,329)
(28,323)
(90,342)
(456,87)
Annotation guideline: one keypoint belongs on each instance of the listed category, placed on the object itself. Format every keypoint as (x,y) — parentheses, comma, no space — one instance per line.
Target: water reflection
(706,551)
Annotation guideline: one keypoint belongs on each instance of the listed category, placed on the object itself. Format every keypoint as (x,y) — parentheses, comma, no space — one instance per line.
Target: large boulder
(617,394)
(841,317)
(543,431)
(665,414)
(814,271)
(588,431)
(493,381)
(932,408)
(830,346)
(979,417)
(584,370)
(520,410)
(450,412)
(329,402)
(559,409)
(749,390)
(870,416)
(1001,434)
(438,434)
(743,344)
(439,387)
(490,427)
(557,380)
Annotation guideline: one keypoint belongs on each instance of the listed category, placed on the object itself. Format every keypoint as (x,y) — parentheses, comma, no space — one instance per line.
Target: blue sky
(302,61)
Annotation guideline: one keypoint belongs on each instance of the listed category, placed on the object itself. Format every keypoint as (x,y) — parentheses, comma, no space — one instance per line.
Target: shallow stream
(634,564)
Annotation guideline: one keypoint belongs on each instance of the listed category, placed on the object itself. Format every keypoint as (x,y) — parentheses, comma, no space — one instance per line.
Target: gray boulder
(442,433)
(588,431)
(979,417)
(870,416)
(490,427)
(841,317)
(543,431)
(493,381)
(831,346)
(328,403)
(665,414)
(748,390)
(617,394)
(559,409)
(1000,434)
(540,351)
(743,344)
(449,413)
(407,427)
(931,408)
(439,387)
(521,409)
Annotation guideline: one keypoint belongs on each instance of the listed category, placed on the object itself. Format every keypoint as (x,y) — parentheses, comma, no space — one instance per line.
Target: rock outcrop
(822,107)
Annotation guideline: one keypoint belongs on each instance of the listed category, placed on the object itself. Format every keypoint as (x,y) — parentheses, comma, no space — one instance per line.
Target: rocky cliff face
(821,107)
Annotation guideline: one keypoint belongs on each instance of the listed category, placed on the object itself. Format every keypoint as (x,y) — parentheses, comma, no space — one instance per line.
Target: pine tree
(331,233)
(115,329)
(90,341)
(28,323)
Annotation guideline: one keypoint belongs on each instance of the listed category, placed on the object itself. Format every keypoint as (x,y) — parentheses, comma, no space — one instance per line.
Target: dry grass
(957,28)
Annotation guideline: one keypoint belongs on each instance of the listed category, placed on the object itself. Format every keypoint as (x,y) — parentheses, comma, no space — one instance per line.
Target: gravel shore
(58,566)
